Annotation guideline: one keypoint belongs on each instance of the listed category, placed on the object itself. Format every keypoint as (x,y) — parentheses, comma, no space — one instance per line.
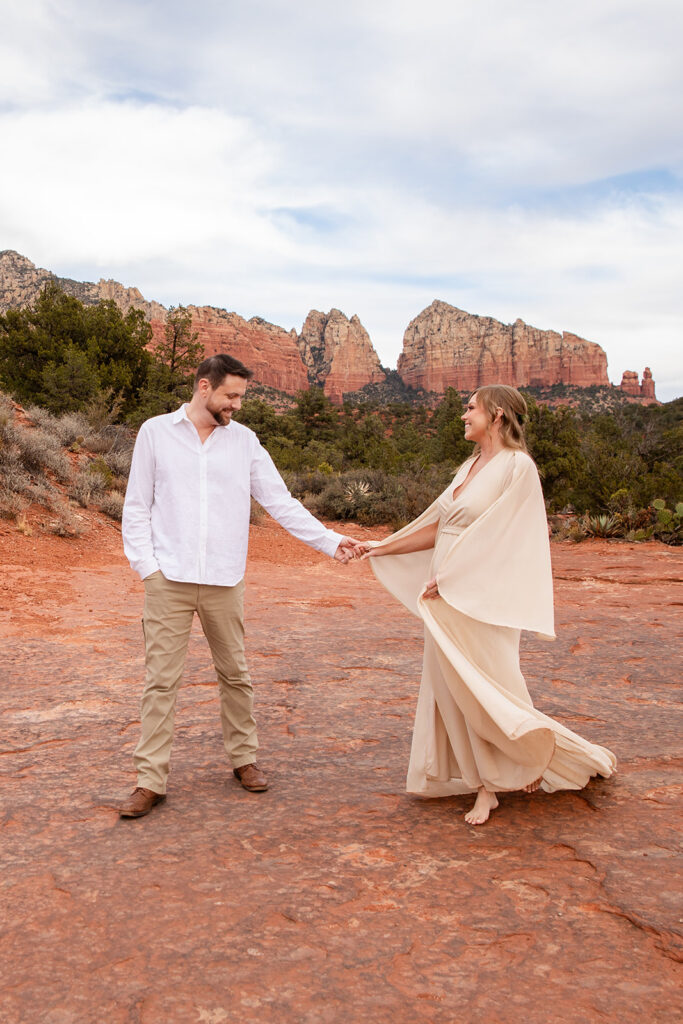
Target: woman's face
(476,420)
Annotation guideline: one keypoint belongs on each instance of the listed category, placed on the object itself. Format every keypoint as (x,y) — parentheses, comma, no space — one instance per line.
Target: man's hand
(348,549)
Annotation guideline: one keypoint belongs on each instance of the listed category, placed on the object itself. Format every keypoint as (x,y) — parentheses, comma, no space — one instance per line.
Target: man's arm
(270,490)
(136,521)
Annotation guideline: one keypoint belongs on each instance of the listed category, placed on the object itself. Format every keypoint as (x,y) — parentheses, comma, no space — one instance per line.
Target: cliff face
(338,353)
(270,351)
(22,281)
(447,347)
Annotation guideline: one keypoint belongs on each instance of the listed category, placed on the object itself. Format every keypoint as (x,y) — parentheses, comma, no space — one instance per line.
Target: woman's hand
(365,548)
(431,590)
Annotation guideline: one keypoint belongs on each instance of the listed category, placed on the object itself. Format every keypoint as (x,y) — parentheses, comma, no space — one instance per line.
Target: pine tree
(174,361)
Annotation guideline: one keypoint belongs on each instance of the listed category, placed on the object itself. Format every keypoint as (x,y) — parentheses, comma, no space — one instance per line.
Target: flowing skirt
(475,723)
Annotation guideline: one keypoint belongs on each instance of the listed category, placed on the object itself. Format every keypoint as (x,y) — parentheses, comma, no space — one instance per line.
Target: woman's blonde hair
(494,397)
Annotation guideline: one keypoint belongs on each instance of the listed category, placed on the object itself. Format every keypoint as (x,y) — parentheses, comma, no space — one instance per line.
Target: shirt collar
(181,414)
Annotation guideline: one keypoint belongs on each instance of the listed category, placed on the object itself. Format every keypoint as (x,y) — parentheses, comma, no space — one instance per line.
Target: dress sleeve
(498,569)
(404,576)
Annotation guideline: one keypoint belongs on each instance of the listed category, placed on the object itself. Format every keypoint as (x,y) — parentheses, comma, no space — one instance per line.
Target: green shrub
(99,468)
(371,497)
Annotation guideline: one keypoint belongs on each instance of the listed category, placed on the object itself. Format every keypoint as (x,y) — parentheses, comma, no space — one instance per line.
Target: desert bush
(14,476)
(12,503)
(112,505)
(103,409)
(312,481)
(119,462)
(65,522)
(68,429)
(41,493)
(99,468)
(109,439)
(371,497)
(561,525)
(6,407)
(39,451)
(88,487)
(576,532)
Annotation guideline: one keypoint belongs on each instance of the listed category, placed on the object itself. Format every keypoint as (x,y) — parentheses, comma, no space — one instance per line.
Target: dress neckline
(461,487)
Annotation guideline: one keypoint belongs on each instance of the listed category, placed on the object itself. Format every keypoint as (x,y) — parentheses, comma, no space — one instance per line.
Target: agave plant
(356,492)
(602,525)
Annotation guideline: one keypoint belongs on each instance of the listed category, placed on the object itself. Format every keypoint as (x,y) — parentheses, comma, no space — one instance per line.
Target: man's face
(226,399)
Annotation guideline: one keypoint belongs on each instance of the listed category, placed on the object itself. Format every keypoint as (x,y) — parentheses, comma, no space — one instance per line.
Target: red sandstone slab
(334,896)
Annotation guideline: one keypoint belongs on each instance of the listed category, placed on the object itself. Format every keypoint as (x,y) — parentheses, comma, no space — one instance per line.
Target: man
(185,532)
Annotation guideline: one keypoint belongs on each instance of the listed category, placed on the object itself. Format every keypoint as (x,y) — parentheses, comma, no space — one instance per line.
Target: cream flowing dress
(475,723)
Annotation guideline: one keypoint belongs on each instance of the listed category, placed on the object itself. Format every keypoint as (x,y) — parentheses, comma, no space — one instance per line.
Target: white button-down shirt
(187,504)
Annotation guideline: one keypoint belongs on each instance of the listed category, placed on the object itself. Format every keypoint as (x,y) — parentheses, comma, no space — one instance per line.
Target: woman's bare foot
(533,786)
(483,805)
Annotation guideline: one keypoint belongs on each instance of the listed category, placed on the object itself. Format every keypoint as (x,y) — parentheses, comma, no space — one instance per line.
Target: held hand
(365,549)
(431,590)
(347,550)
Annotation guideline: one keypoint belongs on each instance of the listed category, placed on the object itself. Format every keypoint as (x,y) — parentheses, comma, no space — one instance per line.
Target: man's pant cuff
(155,786)
(239,762)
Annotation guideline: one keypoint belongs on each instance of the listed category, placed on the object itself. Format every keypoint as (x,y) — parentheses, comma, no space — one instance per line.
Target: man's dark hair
(216,368)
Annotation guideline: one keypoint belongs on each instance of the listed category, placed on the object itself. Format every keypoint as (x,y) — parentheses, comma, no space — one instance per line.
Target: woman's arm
(420,540)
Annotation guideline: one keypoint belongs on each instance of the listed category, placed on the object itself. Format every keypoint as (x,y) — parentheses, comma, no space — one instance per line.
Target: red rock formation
(338,353)
(442,347)
(645,392)
(21,282)
(629,383)
(270,351)
(447,347)
(647,388)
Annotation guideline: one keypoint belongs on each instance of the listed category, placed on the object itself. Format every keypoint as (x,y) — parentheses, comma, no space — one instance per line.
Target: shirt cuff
(146,568)
(331,542)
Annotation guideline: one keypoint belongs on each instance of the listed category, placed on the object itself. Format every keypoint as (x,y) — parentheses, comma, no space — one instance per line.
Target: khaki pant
(167,620)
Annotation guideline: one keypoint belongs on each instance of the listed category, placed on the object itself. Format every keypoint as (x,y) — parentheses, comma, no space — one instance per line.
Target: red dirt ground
(335,897)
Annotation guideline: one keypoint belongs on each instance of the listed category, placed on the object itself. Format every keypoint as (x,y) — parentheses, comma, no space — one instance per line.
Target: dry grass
(50,460)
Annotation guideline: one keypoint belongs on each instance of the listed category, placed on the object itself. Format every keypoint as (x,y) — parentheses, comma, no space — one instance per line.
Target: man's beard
(221,416)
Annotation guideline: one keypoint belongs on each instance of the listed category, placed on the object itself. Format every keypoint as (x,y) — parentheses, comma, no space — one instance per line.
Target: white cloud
(273,157)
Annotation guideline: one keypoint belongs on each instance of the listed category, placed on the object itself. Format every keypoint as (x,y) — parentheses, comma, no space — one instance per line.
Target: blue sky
(513,159)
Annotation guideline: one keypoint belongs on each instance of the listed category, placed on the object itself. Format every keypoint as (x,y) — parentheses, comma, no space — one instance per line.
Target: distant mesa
(447,347)
(442,347)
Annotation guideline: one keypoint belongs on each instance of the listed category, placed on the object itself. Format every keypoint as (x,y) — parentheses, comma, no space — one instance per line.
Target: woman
(483,547)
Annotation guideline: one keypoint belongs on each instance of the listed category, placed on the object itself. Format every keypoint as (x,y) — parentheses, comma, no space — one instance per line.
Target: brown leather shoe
(140,802)
(251,777)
